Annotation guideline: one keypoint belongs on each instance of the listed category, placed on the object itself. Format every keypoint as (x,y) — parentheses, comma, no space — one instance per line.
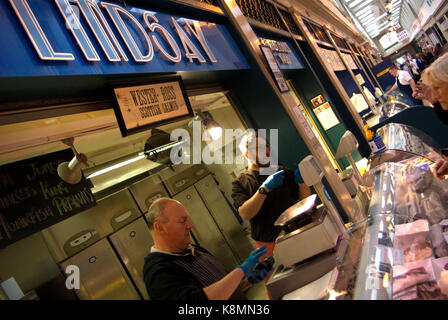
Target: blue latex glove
(252,260)
(274,180)
(298,177)
(258,275)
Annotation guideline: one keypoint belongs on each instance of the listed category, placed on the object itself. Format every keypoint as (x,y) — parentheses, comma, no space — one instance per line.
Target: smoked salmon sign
(101,37)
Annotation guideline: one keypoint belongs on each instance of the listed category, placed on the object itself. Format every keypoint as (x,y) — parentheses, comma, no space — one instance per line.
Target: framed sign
(317,101)
(143,105)
(275,69)
(326,116)
(360,79)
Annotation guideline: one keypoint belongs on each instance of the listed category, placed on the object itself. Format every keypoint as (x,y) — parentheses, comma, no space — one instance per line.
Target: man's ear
(159,227)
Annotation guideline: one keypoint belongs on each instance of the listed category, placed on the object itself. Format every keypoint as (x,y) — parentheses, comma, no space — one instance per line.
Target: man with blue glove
(262,199)
(177,270)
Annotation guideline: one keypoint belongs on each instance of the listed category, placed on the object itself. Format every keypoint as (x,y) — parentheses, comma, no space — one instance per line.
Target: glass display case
(390,108)
(405,142)
(405,249)
(400,252)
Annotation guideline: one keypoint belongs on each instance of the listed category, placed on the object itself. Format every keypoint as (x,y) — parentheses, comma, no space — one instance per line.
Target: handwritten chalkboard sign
(33,196)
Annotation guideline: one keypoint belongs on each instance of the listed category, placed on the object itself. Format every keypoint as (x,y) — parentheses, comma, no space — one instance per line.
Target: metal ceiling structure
(374,17)
(391,24)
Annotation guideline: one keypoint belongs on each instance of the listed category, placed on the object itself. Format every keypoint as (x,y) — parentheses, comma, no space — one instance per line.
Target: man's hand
(441,168)
(252,260)
(258,275)
(274,180)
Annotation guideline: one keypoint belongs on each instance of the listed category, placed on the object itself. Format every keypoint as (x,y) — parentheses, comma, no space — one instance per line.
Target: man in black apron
(177,270)
(405,83)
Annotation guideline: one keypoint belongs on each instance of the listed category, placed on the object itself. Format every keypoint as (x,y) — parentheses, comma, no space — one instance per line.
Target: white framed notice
(326,116)
(360,79)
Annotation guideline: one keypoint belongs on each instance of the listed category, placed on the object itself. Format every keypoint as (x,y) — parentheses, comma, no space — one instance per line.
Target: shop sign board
(349,60)
(92,37)
(332,59)
(33,196)
(284,53)
(403,36)
(275,69)
(140,106)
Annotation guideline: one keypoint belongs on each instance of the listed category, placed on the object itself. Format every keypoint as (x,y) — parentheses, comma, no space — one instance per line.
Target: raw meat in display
(417,251)
(410,278)
(410,233)
(412,273)
(419,179)
(430,291)
(408,294)
(438,241)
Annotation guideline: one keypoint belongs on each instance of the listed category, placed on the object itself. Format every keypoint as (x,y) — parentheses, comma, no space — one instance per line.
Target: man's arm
(304,191)
(251,207)
(394,87)
(412,83)
(224,288)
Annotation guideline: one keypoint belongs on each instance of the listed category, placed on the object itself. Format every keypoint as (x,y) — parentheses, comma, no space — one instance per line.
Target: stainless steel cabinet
(102,277)
(74,234)
(225,219)
(133,243)
(146,191)
(205,229)
(181,176)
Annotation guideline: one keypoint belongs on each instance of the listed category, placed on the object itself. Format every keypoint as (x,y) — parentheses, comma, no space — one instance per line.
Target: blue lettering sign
(97,37)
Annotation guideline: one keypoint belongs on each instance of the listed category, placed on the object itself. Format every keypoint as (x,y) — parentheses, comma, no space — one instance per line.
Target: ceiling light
(210,125)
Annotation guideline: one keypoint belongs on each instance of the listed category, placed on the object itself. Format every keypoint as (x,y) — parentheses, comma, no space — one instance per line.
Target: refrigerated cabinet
(404,142)
(400,251)
(101,274)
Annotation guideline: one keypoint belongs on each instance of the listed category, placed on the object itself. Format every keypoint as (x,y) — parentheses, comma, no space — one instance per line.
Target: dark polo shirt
(276,202)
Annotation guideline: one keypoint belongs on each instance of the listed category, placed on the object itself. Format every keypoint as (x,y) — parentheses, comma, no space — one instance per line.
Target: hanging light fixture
(211,126)
(70,172)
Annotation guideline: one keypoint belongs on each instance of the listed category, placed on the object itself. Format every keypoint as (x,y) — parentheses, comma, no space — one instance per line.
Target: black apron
(406,90)
(207,270)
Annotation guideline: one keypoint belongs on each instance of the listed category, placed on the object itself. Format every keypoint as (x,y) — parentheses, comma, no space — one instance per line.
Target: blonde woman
(434,88)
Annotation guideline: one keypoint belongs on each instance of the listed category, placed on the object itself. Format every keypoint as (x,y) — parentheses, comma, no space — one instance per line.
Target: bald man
(177,270)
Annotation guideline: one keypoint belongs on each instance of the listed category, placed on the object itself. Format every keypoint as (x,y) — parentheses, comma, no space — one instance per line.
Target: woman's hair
(436,74)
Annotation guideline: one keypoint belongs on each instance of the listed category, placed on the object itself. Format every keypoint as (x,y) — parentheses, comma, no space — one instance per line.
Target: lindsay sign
(101,34)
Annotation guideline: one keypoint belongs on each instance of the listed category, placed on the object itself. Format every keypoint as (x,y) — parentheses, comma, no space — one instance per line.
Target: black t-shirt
(182,277)
(276,202)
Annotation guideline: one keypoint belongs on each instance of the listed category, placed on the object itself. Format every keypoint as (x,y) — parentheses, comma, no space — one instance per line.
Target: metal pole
(363,69)
(347,66)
